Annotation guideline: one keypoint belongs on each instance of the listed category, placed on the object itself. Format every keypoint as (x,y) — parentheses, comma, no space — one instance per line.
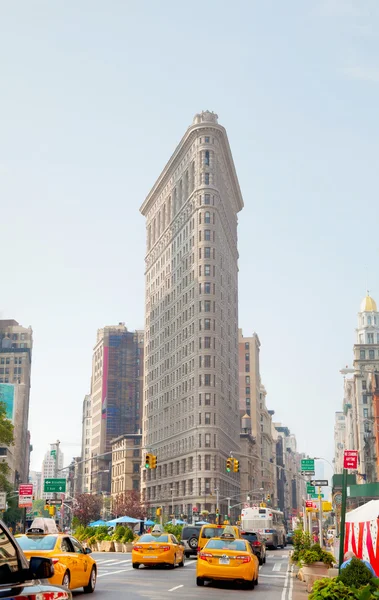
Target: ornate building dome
(368,304)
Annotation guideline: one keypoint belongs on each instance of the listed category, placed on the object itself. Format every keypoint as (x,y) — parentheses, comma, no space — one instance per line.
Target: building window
(207,324)
(371,354)
(207,306)
(207,269)
(207,235)
(247,391)
(247,379)
(206,157)
(207,252)
(207,140)
(364,400)
(365,413)
(207,418)
(367,427)
(368,320)
(207,462)
(207,287)
(207,401)
(247,367)
(362,354)
(207,440)
(370,338)
(247,356)
(247,401)
(207,217)
(207,199)
(207,379)
(364,385)
(135,468)
(206,178)
(207,342)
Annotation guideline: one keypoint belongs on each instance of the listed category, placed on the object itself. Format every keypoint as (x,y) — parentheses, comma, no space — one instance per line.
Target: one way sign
(320,482)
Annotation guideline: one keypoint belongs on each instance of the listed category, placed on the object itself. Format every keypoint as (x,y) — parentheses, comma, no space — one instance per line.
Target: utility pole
(217,506)
(229,515)
(56,468)
(320,516)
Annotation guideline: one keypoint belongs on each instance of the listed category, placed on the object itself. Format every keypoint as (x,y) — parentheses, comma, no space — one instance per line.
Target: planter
(118,546)
(127,547)
(106,546)
(313,572)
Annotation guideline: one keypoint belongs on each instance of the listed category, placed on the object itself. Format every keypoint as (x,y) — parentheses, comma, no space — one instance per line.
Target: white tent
(364,513)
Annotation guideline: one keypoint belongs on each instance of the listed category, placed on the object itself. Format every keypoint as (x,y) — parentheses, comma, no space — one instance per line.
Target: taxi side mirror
(41,568)
(87,550)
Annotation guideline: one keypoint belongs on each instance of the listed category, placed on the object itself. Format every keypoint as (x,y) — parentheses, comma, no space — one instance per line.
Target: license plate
(150,556)
(224,561)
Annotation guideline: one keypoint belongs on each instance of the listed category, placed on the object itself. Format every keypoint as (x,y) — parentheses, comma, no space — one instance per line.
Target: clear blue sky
(94,98)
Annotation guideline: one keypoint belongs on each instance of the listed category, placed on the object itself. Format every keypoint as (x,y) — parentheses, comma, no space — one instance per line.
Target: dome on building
(368,304)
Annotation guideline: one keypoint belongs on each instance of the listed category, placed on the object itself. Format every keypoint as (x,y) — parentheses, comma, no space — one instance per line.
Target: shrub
(330,589)
(301,541)
(119,533)
(128,536)
(355,574)
(315,554)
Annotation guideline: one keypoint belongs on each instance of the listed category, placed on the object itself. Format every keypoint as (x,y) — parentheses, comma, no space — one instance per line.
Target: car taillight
(165,548)
(205,555)
(256,543)
(138,548)
(198,549)
(55,560)
(244,557)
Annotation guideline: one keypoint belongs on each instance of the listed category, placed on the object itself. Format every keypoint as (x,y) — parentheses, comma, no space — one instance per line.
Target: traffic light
(158,512)
(51,511)
(148,461)
(268,497)
(236,466)
(229,464)
(153,461)
(217,511)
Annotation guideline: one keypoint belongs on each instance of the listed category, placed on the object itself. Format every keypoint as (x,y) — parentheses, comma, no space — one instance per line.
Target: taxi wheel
(249,585)
(135,565)
(172,565)
(66,580)
(256,581)
(88,589)
(181,564)
(199,581)
(264,559)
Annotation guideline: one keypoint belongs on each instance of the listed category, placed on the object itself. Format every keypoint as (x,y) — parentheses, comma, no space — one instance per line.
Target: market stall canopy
(364,513)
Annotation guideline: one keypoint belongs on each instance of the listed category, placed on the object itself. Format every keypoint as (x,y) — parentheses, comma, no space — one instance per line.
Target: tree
(87,508)
(129,504)
(6,439)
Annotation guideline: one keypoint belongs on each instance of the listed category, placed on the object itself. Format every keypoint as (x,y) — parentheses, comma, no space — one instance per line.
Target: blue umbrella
(177,522)
(201,523)
(149,522)
(125,519)
(97,523)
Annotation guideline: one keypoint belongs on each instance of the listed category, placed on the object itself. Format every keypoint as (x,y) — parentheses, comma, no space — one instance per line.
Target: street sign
(320,482)
(3,500)
(307,464)
(350,459)
(316,496)
(53,502)
(309,473)
(53,453)
(51,486)
(25,495)
(310,488)
(308,504)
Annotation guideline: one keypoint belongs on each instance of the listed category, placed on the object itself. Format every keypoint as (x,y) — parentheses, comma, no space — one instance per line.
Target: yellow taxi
(210,531)
(227,558)
(73,567)
(157,548)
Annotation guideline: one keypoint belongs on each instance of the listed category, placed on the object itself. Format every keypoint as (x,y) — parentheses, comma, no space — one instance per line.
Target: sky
(95,96)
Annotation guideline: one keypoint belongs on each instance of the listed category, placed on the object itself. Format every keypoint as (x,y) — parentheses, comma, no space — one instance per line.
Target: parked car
(289,537)
(20,579)
(190,536)
(257,543)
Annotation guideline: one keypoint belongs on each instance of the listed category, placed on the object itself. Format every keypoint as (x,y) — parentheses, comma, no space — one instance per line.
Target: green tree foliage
(6,439)
(330,589)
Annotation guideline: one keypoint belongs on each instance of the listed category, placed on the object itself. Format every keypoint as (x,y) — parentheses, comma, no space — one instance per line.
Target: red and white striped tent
(361,532)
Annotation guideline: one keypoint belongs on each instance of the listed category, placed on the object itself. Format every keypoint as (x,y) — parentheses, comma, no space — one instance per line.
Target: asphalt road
(117,578)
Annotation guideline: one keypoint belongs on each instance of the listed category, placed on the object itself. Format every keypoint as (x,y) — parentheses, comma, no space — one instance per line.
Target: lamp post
(172,504)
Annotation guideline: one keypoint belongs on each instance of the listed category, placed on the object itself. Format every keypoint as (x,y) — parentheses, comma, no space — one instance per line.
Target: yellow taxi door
(68,558)
(82,562)
(178,549)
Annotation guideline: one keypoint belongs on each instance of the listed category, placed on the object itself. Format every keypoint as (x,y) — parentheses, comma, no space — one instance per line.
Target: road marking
(175,588)
(291,584)
(103,562)
(277,567)
(284,555)
(113,572)
(118,562)
(285,586)
(272,576)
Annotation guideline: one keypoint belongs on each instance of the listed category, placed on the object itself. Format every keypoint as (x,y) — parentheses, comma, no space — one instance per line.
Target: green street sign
(52,486)
(310,489)
(53,453)
(315,496)
(307,464)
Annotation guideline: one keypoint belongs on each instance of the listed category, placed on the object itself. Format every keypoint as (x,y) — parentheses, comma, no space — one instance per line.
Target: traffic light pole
(343,518)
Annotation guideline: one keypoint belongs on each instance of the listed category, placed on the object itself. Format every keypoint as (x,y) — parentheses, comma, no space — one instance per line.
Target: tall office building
(16,343)
(191,413)
(116,399)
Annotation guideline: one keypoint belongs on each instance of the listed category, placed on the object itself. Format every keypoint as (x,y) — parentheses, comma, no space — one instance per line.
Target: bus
(266,521)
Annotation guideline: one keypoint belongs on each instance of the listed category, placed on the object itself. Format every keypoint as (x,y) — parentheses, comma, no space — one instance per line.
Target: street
(116,576)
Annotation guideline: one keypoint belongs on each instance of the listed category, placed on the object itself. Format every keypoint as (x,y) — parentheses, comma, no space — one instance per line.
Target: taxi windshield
(238,545)
(37,542)
(153,538)
(211,532)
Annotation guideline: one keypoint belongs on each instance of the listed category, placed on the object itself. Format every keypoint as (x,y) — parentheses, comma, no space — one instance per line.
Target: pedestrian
(347,559)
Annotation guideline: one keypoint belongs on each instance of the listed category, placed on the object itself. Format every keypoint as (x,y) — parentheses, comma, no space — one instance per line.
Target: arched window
(207,217)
